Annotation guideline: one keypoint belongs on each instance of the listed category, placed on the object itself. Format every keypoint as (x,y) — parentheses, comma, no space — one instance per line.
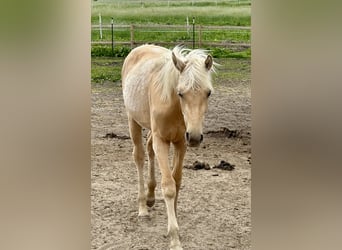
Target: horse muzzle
(193,140)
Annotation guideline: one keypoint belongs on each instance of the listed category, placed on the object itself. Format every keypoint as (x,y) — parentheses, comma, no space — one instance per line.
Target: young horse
(166,92)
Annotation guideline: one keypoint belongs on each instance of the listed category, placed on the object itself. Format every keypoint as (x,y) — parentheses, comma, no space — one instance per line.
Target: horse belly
(135,94)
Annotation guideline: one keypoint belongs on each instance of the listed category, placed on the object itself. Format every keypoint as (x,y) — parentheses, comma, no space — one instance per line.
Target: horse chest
(168,124)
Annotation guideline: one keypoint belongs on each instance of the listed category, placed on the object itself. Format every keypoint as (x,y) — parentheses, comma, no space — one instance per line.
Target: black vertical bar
(193,32)
(112,36)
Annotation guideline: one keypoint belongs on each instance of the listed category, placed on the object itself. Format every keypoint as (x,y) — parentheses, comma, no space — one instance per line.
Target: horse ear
(180,65)
(208,62)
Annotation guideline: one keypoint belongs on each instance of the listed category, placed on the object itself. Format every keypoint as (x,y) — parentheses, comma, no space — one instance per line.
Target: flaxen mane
(194,75)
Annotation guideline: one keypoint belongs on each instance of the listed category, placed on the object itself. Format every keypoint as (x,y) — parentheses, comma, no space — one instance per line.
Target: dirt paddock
(214,206)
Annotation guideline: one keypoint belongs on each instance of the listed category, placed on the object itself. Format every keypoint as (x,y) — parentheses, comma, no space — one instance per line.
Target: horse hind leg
(151,184)
(138,156)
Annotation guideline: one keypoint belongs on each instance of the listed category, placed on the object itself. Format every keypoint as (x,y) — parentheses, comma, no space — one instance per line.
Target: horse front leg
(178,157)
(161,149)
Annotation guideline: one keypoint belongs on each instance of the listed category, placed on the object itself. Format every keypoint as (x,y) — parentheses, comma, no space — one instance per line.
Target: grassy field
(107,70)
(206,13)
(106,65)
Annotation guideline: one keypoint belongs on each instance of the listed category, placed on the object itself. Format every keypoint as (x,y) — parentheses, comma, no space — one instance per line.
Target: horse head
(194,88)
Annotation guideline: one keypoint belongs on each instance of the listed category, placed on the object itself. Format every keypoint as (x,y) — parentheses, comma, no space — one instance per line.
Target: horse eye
(180,94)
(209,93)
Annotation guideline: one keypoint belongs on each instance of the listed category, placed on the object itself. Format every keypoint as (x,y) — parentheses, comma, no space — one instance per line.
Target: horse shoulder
(167,120)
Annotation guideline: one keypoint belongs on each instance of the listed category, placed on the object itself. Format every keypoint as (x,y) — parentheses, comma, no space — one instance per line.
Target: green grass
(119,51)
(107,70)
(228,53)
(164,3)
(106,51)
(236,69)
(204,15)
(104,69)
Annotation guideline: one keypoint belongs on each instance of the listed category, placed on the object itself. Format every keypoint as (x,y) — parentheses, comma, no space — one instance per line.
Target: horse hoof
(144,218)
(143,214)
(176,248)
(175,245)
(150,202)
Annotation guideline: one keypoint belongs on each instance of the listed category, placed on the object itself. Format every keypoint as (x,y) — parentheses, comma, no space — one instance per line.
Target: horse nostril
(187,136)
(201,138)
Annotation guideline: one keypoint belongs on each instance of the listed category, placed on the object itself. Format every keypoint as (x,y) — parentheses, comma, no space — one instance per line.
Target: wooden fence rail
(199,29)
(164,26)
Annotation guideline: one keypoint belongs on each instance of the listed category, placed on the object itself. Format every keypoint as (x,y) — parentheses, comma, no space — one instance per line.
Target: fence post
(187,26)
(193,32)
(200,36)
(112,26)
(132,36)
(100,23)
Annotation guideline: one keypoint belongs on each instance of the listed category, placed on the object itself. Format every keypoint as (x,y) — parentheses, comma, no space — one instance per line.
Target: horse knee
(138,154)
(169,192)
(169,189)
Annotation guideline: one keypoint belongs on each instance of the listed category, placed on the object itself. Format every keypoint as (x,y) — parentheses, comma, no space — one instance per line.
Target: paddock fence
(196,36)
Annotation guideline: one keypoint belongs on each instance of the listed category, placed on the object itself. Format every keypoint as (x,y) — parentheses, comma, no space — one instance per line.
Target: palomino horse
(166,92)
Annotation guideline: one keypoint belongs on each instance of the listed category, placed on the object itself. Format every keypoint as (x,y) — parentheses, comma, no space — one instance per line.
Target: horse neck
(176,113)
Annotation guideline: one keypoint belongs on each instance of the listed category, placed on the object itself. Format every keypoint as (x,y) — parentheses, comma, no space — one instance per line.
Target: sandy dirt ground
(214,206)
